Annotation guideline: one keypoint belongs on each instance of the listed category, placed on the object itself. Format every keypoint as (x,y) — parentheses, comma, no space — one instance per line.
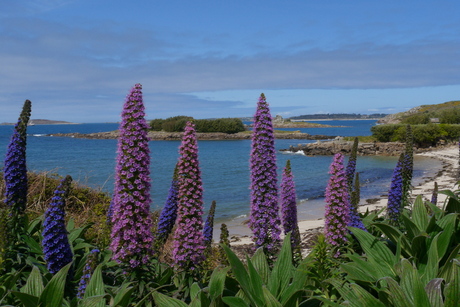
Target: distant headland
(34,122)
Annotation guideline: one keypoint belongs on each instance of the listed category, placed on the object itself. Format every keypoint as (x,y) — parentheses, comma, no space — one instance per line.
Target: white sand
(446,179)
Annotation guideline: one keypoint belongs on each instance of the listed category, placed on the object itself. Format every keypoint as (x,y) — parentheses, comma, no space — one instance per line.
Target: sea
(224,166)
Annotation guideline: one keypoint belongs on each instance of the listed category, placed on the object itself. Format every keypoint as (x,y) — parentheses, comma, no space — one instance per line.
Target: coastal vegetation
(405,256)
(177,124)
(337,116)
(424,135)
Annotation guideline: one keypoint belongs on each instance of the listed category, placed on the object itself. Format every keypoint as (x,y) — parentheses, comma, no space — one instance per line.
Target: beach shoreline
(446,178)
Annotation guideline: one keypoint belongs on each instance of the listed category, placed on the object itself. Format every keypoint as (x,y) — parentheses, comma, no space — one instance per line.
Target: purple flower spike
(289,206)
(265,221)
(168,215)
(209,225)
(55,242)
(337,211)
(131,236)
(88,270)
(15,170)
(188,252)
(395,193)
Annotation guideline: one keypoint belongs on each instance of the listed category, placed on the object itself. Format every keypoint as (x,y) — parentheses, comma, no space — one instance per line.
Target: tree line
(177,124)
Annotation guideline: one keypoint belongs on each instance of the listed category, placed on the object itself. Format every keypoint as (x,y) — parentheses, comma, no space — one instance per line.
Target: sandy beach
(446,178)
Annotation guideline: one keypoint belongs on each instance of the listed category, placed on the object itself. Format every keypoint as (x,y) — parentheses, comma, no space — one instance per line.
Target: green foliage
(423,135)
(177,124)
(416,119)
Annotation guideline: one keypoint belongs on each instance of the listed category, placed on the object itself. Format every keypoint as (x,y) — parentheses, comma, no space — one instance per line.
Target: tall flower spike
(407,166)
(209,225)
(289,209)
(395,193)
(56,247)
(265,221)
(131,236)
(434,196)
(355,219)
(223,241)
(15,170)
(168,215)
(351,166)
(88,270)
(188,252)
(337,210)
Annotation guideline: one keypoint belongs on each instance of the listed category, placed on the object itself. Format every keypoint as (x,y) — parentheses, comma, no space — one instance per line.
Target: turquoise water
(224,165)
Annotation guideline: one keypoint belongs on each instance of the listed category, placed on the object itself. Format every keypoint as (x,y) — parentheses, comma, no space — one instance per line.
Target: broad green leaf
(238,268)
(419,213)
(376,251)
(93,301)
(395,235)
(412,285)
(34,225)
(447,269)
(270,300)
(95,285)
(430,271)
(419,246)
(452,203)
(396,293)
(448,224)
(362,270)
(217,282)
(162,300)
(26,299)
(194,290)
(76,233)
(260,263)
(411,229)
(452,290)
(53,293)
(438,212)
(34,285)
(123,296)
(256,291)
(234,301)
(365,297)
(434,291)
(34,246)
(282,270)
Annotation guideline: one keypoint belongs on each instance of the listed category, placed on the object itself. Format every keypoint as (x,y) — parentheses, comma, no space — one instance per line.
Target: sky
(76,60)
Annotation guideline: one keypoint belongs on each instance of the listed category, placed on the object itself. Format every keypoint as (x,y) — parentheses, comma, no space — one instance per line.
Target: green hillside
(444,113)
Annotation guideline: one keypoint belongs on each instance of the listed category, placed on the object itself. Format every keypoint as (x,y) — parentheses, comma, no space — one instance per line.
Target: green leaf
(395,235)
(93,301)
(430,271)
(260,263)
(282,270)
(238,268)
(26,299)
(411,229)
(452,290)
(194,290)
(123,296)
(33,245)
(365,297)
(453,203)
(447,269)
(95,285)
(53,293)
(376,251)
(419,213)
(165,301)
(34,285)
(255,290)
(396,293)
(234,301)
(447,223)
(217,282)
(412,285)
(434,291)
(270,300)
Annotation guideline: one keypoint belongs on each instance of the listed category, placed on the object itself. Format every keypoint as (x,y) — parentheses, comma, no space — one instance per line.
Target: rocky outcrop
(154,135)
(364,149)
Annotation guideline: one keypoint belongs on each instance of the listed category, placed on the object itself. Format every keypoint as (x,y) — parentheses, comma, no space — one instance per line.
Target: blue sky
(77,60)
